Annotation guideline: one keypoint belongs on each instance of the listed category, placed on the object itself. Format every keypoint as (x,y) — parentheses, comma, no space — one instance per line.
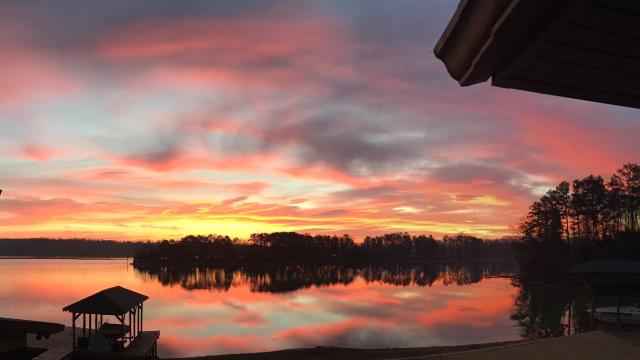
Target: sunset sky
(157,119)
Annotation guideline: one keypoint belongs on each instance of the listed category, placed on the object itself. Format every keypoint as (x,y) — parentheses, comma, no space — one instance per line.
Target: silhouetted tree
(295,247)
(589,219)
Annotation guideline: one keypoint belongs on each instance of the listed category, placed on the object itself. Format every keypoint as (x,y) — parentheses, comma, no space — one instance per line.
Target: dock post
(73,331)
(618,312)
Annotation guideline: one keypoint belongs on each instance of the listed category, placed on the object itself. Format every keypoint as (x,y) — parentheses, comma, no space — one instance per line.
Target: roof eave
(483,33)
(467,37)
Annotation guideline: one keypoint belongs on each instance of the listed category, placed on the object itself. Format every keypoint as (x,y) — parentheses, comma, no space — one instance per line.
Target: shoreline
(335,353)
(29,257)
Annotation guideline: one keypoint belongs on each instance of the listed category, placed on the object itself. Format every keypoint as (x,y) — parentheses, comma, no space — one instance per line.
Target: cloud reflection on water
(376,307)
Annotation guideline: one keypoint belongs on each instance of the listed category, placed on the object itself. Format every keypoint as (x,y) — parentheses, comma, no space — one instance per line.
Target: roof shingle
(113,301)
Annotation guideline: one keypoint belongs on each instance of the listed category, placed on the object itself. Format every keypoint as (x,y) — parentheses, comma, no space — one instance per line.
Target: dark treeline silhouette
(303,248)
(591,218)
(288,277)
(42,247)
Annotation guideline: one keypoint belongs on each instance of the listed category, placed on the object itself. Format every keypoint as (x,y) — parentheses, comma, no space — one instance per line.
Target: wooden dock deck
(144,346)
(54,354)
(59,346)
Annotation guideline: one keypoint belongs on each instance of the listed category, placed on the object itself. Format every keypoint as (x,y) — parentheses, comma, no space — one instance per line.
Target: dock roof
(113,301)
(610,267)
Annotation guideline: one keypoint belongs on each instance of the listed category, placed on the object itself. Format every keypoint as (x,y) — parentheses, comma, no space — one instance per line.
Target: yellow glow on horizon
(165,226)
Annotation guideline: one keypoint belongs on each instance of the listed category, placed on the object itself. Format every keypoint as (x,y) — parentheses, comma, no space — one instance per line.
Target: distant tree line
(295,247)
(81,248)
(590,218)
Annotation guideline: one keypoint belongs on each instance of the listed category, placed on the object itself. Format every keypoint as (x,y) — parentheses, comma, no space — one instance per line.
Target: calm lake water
(212,311)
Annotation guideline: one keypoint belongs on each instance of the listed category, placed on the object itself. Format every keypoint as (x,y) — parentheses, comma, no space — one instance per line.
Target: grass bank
(335,353)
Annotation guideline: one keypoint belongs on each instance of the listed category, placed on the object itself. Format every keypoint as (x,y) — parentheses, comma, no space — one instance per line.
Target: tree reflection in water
(550,310)
(285,278)
(540,310)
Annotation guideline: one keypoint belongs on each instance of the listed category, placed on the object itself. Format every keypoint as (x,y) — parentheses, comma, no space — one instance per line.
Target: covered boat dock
(610,279)
(97,338)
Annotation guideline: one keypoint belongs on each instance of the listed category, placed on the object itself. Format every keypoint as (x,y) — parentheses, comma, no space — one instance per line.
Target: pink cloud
(317,334)
(261,53)
(39,153)
(29,74)
(221,344)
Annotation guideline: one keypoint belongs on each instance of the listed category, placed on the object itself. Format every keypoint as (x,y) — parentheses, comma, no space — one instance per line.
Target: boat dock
(94,338)
(93,333)
(59,347)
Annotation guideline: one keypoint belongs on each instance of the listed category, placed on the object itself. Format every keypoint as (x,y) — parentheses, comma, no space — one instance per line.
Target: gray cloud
(468,172)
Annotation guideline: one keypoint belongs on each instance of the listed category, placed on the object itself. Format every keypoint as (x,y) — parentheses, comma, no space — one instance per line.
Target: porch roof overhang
(582,49)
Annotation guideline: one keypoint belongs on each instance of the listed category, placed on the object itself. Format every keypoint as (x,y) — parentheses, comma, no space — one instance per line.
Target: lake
(202,311)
